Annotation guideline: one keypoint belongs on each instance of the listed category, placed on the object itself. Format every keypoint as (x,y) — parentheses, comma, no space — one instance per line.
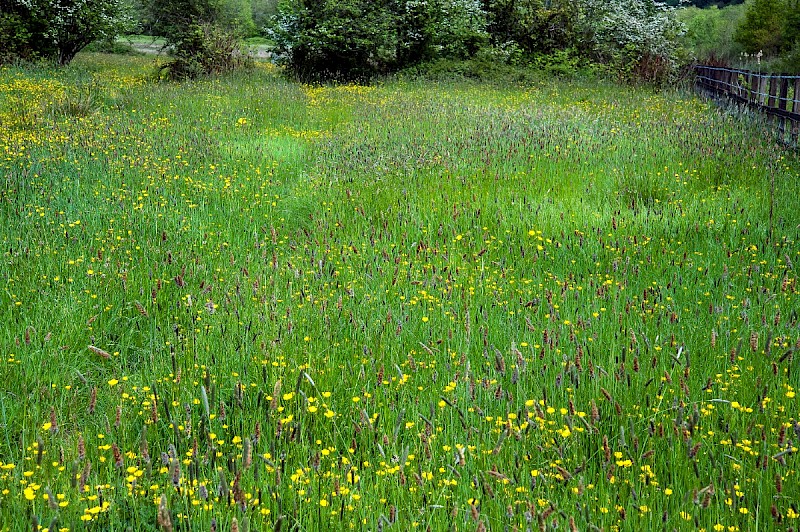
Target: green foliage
(15,37)
(709,32)
(764,28)
(173,19)
(355,38)
(262,12)
(57,29)
(337,39)
(352,39)
(205,49)
(535,26)
(204,35)
(639,38)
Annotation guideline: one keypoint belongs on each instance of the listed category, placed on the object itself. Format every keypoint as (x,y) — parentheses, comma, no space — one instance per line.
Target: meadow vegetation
(246,303)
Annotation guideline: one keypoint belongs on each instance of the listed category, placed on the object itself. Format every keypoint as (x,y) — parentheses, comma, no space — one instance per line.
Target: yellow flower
(29,493)
(113,382)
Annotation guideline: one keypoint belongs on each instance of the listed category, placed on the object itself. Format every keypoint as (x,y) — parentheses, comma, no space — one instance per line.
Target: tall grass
(415,305)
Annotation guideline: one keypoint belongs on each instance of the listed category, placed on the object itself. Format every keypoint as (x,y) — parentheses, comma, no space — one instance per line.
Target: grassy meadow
(249,304)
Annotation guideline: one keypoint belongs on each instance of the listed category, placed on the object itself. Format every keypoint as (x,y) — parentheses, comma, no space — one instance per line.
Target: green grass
(445,305)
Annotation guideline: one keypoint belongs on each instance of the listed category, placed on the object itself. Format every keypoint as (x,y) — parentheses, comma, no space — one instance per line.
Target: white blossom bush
(633,34)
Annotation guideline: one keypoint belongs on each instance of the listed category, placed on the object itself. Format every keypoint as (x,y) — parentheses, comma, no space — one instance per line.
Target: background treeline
(355,39)
(360,38)
(758,34)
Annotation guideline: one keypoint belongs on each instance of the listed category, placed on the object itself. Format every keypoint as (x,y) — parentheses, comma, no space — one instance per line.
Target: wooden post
(733,82)
(758,97)
(796,110)
(773,92)
(783,103)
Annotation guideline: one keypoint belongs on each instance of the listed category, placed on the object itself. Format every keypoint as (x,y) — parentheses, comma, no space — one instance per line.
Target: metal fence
(774,94)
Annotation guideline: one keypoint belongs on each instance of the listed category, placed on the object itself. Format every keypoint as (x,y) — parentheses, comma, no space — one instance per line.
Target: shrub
(205,49)
(638,38)
(357,39)
(204,35)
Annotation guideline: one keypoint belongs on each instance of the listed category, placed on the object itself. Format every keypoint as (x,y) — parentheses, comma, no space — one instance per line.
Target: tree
(58,29)
(361,38)
(536,26)
(203,35)
(709,32)
(762,29)
(351,39)
(336,38)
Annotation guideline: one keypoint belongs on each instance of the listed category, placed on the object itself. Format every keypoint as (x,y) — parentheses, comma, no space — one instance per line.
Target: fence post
(758,89)
(777,96)
(773,91)
(796,110)
(783,98)
(732,79)
(783,104)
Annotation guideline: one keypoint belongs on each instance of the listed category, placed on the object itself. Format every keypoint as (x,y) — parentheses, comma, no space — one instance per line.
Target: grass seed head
(93,400)
(163,518)
(102,353)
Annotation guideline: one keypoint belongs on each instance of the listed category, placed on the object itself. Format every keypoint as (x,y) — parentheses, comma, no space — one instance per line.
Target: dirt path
(258,51)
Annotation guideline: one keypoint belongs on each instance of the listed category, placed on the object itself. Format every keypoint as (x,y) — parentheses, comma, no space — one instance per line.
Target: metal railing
(777,95)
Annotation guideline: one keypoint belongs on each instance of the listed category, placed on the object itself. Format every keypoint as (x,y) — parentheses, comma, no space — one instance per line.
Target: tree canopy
(56,29)
(359,38)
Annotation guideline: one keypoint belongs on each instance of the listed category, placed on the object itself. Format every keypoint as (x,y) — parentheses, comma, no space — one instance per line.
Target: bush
(358,39)
(205,49)
(203,35)
(639,38)
(345,39)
